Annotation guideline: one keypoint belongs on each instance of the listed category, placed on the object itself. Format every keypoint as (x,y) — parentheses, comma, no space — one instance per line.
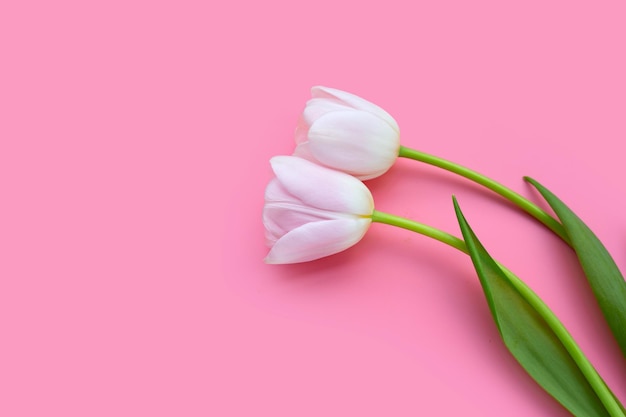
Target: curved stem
(553,322)
(520,201)
(421,228)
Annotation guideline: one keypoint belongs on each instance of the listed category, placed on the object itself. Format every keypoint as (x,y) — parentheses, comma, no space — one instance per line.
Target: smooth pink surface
(134,147)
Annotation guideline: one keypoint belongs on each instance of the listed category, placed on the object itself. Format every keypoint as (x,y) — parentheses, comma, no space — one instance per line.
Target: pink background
(134,146)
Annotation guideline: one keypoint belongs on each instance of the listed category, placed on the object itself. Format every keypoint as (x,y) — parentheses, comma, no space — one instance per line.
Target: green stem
(422,229)
(523,203)
(553,322)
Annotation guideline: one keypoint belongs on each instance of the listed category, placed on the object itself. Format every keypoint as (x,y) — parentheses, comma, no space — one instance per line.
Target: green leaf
(536,338)
(604,276)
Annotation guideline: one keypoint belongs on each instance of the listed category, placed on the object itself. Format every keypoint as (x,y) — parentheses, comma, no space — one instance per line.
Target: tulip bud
(345,132)
(312,211)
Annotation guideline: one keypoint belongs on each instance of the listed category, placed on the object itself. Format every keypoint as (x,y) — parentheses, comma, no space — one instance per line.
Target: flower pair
(316,205)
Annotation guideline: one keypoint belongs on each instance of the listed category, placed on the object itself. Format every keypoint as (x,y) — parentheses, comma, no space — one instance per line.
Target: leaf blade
(528,337)
(603,275)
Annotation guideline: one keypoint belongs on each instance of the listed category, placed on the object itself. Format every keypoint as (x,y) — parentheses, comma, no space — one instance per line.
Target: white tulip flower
(345,132)
(312,211)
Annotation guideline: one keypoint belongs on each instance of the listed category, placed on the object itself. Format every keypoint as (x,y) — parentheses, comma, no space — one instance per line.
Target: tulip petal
(354,141)
(280,218)
(356,102)
(302,131)
(322,187)
(303,150)
(317,107)
(276,192)
(317,240)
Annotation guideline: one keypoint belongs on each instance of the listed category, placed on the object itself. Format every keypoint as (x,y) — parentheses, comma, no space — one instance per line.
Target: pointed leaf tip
(603,274)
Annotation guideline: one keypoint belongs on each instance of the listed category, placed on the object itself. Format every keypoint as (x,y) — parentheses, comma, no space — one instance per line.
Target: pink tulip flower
(345,132)
(312,211)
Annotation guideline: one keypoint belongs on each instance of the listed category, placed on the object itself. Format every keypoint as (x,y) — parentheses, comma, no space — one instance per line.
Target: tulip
(312,211)
(345,132)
